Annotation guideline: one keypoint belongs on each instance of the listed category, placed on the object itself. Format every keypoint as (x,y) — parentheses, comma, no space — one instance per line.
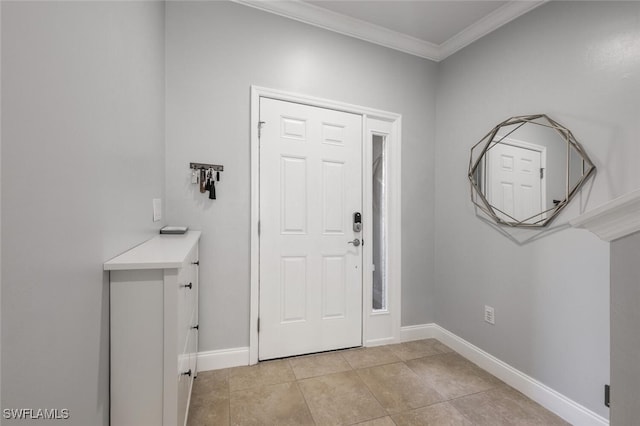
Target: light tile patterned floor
(414,383)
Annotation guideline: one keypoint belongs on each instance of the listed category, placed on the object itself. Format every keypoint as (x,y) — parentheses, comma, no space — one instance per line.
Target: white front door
(514,182)
(310,187)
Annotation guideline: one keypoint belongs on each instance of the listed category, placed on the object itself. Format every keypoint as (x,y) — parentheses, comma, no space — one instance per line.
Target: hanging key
(203,178)
(207,185)
(212,190)
(194,176)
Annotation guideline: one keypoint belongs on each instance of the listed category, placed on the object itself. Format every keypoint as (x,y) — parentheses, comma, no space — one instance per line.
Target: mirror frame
(477,196)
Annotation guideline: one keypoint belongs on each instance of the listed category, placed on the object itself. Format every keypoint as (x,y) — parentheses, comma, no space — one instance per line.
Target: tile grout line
(304,398)
(449,400)
(374,397)
(374,419)
(445,399)
(412,408)
(356,370)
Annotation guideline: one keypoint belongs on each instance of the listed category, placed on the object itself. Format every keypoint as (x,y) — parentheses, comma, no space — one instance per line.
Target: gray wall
(215,52)
(577,62)
(625,323)
(82,157)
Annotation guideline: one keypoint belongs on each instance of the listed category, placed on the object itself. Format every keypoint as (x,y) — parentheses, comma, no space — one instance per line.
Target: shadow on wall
(521,236)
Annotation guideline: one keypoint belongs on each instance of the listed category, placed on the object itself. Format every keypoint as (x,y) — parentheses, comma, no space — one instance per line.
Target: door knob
(355,242)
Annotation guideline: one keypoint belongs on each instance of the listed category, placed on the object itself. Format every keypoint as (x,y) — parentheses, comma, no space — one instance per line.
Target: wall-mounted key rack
(206,175)
(215,167)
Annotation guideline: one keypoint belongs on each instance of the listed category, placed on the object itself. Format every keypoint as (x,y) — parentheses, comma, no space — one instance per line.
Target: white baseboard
(223,358)
(379,342)
(417,332)
(552,400)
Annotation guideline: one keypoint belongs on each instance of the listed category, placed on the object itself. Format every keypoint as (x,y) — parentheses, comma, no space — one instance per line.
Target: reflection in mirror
(526,169)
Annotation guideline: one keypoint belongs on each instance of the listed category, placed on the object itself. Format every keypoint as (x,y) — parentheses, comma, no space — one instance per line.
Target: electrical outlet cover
(489,315)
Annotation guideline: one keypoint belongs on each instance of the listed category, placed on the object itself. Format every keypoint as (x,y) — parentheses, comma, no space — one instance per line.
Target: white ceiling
(431,21)
(427,28)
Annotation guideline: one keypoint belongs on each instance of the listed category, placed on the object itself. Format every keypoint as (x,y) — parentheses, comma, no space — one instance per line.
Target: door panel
(333,287)
(293,185)
(516,183)
(333,193)
(310,186)
(294,289)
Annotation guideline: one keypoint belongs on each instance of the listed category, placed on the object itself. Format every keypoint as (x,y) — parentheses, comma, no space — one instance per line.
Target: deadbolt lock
(357,222)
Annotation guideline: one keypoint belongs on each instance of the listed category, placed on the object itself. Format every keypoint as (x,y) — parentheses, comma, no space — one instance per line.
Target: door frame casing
(381,327)
(369,324)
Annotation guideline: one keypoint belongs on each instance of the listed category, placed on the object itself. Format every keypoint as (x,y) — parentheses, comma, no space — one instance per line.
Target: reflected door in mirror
(514,180)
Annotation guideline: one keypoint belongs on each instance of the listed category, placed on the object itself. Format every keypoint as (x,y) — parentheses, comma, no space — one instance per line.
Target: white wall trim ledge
(615,219)
(552,400)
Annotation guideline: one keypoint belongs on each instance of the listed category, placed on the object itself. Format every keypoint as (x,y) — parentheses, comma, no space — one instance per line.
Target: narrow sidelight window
(379,223)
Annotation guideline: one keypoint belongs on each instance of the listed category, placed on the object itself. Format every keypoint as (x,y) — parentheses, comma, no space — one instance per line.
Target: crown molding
(616,219)
(337,22)
(499,17)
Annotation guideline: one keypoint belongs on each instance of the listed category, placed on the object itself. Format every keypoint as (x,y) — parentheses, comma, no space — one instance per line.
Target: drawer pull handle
(187,373)
(197,262)
(190,285)
(196,327)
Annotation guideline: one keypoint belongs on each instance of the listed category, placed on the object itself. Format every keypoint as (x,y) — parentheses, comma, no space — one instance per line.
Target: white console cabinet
(154,331)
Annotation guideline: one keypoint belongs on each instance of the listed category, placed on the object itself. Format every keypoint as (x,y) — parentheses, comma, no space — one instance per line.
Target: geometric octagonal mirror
(526,170)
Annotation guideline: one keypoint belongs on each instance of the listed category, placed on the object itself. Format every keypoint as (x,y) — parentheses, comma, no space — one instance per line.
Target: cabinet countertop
(160,252)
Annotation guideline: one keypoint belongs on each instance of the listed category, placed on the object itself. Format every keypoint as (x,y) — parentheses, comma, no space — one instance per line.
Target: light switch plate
(157,209)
